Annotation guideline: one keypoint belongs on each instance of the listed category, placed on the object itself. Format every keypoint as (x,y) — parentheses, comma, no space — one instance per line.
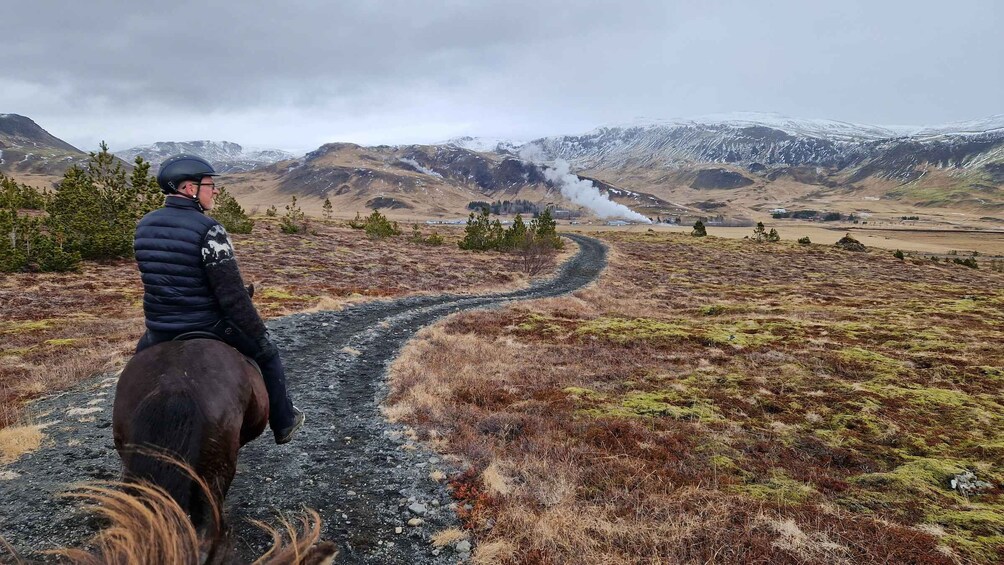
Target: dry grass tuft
(448,537)
(15,441)
(498,551)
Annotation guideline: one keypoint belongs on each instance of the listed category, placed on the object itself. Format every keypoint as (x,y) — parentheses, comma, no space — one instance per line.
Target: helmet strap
(195,198)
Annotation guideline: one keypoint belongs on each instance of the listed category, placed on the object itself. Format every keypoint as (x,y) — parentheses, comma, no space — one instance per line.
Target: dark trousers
(279,406)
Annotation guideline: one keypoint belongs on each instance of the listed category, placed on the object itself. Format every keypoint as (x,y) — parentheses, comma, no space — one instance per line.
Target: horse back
(228,395)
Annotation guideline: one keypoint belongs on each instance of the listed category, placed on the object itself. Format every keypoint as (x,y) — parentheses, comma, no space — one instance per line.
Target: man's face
(207,194)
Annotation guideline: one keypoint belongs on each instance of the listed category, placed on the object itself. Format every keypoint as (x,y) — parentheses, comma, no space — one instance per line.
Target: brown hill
(30,154)
(414,181)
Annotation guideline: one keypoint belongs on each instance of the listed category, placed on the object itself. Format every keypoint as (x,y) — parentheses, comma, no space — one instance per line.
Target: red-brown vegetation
(721,401)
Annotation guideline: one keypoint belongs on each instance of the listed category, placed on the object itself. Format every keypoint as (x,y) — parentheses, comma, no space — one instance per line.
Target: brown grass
(15,441)
(56,329)
(722,401)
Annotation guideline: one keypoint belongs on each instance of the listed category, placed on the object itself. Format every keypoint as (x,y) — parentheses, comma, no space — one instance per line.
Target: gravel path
(361,474)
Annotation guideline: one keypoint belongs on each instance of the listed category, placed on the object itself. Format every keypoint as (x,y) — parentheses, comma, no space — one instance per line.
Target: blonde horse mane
(146,526)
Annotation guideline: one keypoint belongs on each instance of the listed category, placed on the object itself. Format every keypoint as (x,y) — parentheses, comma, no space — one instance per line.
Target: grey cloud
(377,69)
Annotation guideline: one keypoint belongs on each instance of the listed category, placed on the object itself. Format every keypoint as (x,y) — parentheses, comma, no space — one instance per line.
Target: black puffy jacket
(190,274)
(168,247)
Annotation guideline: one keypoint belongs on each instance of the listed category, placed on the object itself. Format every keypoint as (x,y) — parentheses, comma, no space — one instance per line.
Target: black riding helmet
(179,168)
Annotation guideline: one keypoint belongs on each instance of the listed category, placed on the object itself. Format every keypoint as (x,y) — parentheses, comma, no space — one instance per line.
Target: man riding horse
(192,283)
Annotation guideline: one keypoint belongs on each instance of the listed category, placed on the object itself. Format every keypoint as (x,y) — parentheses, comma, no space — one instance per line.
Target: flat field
(917,241)
(718,400)
(56,329)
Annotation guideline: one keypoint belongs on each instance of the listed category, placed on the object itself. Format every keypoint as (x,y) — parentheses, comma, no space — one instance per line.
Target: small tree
(294,220)
(358,222)
(26,246)
(516,233)
(229,212)
(417,237)
(545,229)
(271,212)
(95,209)
(760,234)
(804,240)
(20,196)
(327,210)
(477,232)
(699,229)
(378,226)
(899,255)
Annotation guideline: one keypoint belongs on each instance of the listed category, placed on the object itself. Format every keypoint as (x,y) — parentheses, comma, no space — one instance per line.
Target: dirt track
(358,472)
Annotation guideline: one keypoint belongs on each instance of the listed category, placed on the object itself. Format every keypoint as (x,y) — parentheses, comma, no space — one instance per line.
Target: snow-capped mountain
(484,144)
(226,156)
(760,143)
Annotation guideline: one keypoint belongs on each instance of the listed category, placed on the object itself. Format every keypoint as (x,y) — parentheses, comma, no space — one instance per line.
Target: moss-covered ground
(737,390)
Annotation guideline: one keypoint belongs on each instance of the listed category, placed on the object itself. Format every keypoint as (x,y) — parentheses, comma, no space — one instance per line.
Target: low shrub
(378,226)
(294,220)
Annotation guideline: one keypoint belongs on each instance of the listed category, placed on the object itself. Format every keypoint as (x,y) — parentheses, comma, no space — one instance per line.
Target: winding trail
(361,474)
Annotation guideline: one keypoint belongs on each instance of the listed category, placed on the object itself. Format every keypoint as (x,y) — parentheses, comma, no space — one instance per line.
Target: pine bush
(229,212)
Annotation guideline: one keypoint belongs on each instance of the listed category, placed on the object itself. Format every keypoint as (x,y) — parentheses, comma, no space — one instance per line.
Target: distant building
(779,211)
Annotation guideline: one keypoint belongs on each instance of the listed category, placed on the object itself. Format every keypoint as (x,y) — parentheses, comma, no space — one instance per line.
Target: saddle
(202,334)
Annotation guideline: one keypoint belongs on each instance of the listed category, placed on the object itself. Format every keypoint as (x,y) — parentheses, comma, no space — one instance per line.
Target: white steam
(579,191)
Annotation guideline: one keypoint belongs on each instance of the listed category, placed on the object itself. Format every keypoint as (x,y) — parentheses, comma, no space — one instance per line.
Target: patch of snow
(484,144)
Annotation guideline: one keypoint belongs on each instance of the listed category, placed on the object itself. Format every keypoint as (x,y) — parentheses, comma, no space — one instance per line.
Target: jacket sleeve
(226,282)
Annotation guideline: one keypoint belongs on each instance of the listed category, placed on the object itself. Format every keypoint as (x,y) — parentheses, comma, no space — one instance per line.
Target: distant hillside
(27,149)
(776,161)
(225,156)
(415,180)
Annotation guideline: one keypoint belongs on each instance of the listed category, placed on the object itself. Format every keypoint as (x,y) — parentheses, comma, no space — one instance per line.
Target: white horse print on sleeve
(217,246)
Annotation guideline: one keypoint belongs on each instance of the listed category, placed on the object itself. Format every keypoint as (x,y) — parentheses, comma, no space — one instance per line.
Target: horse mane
(147,526)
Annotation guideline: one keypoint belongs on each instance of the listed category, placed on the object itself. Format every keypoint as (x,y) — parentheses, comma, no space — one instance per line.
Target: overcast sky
(296,74)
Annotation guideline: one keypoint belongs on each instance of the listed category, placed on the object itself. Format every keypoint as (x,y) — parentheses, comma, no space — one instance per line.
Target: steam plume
(580,191)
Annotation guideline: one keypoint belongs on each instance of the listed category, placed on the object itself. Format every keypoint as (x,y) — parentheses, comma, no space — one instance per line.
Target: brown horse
(197,401)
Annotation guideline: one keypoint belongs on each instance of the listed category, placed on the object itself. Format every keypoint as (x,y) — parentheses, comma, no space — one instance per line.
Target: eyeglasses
(211,186)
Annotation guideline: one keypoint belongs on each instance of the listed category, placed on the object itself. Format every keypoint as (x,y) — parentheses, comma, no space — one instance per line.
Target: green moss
(712,310)
(584,393)
(664,403)
(977,549)
(748,333)
(883,367)
(539,324)
(779,489)
(24,327)
(622,330)
(979,518)
(995,373)
(955,403)
(924,478)
(723,463)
